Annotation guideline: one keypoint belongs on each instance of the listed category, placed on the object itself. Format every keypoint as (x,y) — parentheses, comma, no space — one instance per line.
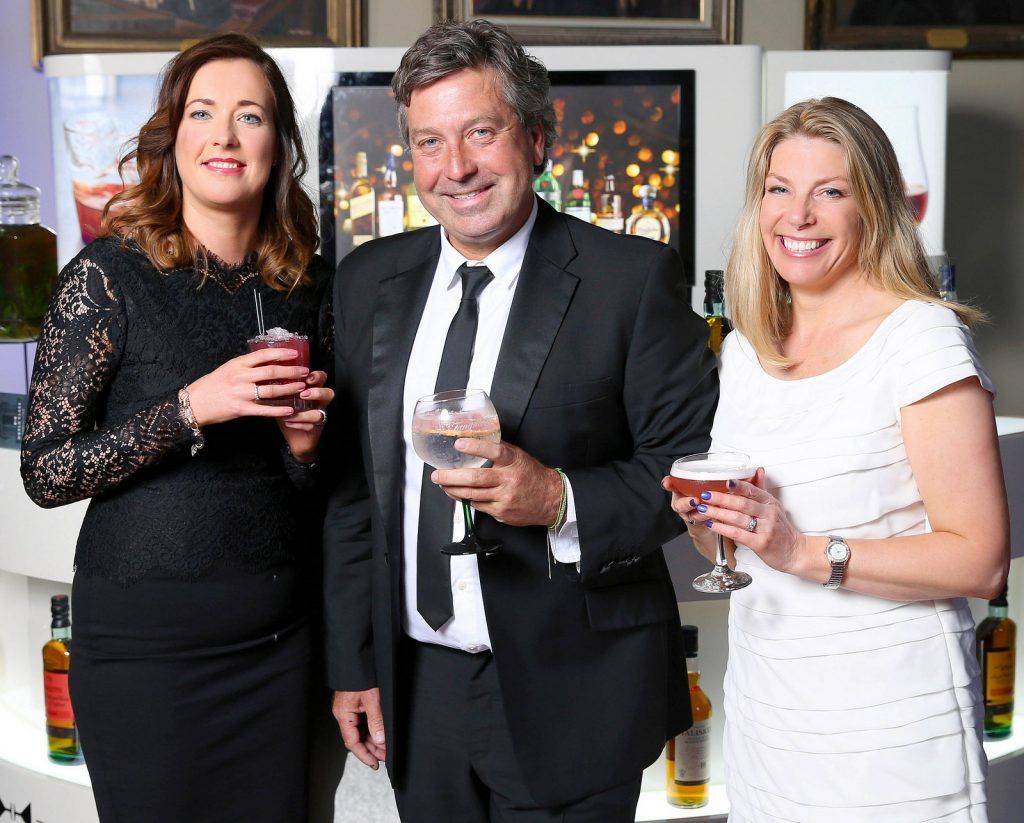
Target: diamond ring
(752,524)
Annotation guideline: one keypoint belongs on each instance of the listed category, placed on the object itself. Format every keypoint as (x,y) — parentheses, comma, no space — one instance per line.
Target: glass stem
(467,514)
(720,554)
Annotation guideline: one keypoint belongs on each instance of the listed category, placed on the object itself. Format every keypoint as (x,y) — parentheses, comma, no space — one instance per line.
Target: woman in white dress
(852,690)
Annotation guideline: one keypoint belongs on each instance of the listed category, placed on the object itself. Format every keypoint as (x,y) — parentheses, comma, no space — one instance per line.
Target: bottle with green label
(547,187)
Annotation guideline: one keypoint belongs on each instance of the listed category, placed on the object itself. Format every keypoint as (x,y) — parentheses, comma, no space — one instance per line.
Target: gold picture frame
(76,26)
(964,28)
(612,22)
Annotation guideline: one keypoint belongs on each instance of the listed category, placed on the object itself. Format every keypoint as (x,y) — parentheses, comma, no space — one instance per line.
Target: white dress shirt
(467,630)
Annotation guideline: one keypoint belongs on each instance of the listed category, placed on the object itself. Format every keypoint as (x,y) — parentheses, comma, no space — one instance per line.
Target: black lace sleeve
(64,456)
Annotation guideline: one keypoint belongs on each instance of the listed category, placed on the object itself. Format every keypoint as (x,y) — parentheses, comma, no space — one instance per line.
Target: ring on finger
(691,521)
(256,392)
(752,525)
(323,418)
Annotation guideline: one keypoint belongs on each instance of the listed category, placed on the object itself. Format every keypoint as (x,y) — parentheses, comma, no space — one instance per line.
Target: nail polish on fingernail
(708,523)
(702,508)
(732,484)
(705,495)
(693,503)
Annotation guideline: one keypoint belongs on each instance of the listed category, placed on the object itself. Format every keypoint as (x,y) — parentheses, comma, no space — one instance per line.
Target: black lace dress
(195,575)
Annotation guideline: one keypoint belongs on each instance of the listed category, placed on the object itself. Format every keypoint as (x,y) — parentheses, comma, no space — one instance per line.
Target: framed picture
(623,159)
(65,26)
(976,27)
(608,22)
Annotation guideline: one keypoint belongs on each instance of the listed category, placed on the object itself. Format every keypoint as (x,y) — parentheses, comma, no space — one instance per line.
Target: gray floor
(364,796)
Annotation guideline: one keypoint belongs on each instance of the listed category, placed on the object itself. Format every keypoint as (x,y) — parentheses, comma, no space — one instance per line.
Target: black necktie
(437,510)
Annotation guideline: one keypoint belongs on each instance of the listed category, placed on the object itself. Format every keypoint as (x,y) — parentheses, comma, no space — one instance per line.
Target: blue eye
(251,119)
(776,189)
(832,193)
(200,114)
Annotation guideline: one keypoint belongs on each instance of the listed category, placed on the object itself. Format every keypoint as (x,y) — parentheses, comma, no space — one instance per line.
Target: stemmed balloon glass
(437,422)
(711,472)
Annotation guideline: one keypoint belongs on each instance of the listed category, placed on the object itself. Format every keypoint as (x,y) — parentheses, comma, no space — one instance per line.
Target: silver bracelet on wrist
(198,441)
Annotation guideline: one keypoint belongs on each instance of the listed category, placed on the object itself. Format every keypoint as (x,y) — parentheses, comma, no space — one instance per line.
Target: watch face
(838,552)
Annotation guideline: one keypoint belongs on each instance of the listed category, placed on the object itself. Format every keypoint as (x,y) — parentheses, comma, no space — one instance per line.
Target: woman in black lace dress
(196,563)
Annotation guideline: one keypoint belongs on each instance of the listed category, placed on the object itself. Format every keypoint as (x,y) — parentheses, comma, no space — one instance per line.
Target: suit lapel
(400,302)
(542,298)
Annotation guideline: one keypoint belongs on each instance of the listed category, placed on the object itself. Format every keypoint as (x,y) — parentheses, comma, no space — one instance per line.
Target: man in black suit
(540,680)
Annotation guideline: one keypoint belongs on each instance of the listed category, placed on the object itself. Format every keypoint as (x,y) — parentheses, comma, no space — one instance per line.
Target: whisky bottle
(390,202)
(61,732)
(688,755)
(578,202)
(362,204)
(648,220)
(609,211)
(416,215)
(714,309)
(996,647)
(947,282)
(547,187)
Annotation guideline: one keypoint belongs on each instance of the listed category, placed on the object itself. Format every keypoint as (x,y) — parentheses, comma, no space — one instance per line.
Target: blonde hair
(890,249)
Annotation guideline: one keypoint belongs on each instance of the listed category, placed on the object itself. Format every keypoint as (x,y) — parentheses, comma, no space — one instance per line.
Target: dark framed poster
(624,158)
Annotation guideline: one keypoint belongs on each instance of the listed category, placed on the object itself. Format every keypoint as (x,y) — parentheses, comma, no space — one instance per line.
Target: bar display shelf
(36,553)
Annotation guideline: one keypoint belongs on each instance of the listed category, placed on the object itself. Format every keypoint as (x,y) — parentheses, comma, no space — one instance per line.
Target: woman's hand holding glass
(751,516)
(302,430)
(230,391)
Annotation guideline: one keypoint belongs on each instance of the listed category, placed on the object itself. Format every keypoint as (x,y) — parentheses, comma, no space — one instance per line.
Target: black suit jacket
(603,371)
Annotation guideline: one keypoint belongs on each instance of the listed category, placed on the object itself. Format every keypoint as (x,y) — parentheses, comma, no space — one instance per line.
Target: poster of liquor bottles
(623,159)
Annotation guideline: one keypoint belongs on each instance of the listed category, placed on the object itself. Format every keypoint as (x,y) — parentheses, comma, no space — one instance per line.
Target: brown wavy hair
(150,213)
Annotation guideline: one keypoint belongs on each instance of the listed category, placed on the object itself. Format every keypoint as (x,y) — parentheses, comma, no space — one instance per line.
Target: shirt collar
(504,262)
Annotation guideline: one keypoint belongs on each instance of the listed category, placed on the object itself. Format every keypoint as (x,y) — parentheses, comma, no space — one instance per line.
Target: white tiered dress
(840,707)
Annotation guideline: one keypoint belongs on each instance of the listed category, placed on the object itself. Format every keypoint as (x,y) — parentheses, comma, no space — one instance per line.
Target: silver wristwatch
(838,553)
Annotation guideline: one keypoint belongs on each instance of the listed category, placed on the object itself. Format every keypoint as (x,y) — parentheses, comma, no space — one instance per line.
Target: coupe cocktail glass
(711,472)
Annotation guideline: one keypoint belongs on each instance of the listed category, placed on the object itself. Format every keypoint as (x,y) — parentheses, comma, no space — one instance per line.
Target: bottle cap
(690,641)
(714,285)
(947,277)
(19,202)
(59,608)
(1001,600)
(648,192)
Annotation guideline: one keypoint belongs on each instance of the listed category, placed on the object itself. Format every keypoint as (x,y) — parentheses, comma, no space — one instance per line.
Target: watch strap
(835,579)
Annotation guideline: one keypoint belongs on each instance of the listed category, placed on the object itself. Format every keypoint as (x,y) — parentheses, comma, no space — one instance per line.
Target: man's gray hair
(449,47)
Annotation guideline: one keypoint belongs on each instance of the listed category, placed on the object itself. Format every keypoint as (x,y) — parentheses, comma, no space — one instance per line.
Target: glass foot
(721,580)
(472,544)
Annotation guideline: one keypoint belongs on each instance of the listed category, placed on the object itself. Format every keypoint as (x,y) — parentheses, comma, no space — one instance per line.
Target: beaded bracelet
(198,441)
(560,519)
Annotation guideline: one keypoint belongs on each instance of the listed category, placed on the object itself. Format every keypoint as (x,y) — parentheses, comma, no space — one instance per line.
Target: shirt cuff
(565,545)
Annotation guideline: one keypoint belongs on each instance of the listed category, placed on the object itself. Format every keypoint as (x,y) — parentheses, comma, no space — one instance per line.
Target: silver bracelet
(198,441)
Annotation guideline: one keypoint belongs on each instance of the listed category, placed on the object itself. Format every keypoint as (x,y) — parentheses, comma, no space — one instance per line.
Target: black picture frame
(374,130)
